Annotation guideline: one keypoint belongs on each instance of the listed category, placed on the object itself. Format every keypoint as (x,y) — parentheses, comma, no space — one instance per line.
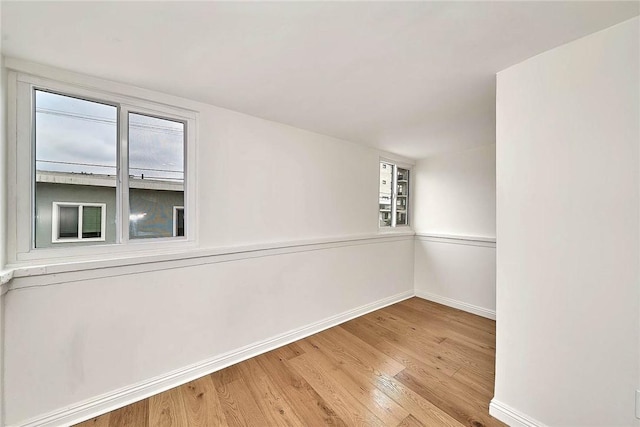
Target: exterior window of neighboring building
(178,220)
(393,197)
(101,168)
(78,222)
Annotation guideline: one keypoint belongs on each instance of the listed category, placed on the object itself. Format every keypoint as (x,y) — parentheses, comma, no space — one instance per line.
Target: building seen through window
(393,199)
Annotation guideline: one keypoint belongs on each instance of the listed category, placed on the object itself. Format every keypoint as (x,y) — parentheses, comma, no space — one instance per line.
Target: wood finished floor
(415,363)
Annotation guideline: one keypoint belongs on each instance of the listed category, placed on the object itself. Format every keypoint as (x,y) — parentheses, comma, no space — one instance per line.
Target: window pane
(156,175)
(91,221)
(402,195)
(67,222)
(75,158)
(386,182)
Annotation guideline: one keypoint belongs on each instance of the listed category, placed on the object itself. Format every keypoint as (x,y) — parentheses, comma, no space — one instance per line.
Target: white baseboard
(99,405)
(510,416)
(470,308)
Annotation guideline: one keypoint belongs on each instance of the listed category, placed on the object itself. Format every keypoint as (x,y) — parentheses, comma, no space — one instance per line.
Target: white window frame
(394,196)
(55,223)
(175,219)
(23,78)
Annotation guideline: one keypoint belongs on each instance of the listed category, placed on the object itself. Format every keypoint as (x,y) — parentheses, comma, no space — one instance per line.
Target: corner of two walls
(455,222)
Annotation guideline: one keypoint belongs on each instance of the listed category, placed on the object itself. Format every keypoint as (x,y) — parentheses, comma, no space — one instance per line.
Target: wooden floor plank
(270,398)
(412,402)
(430,334)
(167,409)
(415,363)
(387,343)
(480,384)
(232,415)
(136,414)
(101,421)
(422,409)
(444,374)
(225,376)
(378,403)
(451,353)
(201,402)
(411,421)
(288,351)
(403,350)
(309,405)
(340,340)
(439,324)
(239,406)
(340,399)
(433,309)
(454,401)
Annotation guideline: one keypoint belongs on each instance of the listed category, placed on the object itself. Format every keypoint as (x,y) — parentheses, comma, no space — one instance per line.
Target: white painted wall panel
(264,181)
(3,207)
(462,275)
(3,164)
(568,232)
(454,194)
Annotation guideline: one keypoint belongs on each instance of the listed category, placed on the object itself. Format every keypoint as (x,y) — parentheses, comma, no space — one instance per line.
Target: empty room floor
(414,363)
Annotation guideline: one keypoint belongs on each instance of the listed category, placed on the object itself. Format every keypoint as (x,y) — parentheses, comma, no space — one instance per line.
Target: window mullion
(80,217)
(123,175)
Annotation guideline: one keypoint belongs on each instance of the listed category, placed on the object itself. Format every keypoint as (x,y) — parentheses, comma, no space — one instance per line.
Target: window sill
(5,278)
(397,230)
(79,253)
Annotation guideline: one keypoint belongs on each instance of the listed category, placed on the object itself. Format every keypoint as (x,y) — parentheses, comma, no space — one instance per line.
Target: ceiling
(414,78)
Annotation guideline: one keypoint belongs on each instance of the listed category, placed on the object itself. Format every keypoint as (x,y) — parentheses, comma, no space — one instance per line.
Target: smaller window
(78,222)
(393,196)
(178,220)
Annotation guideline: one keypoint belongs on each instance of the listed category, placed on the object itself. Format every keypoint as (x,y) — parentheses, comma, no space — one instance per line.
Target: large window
(394,195)
(101,168)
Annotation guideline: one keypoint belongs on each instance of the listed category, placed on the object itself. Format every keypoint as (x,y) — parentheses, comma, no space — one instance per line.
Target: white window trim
(403,165)
(23,77)
(175,217)
(55,212)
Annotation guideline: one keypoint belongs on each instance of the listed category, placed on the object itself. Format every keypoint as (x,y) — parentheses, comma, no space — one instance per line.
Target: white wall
(3,216)
(77,335)
(454,195)
(568,232)
(264,181)
(3,159)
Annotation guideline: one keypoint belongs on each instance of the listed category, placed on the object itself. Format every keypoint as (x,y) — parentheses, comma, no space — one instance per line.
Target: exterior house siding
(156,205)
